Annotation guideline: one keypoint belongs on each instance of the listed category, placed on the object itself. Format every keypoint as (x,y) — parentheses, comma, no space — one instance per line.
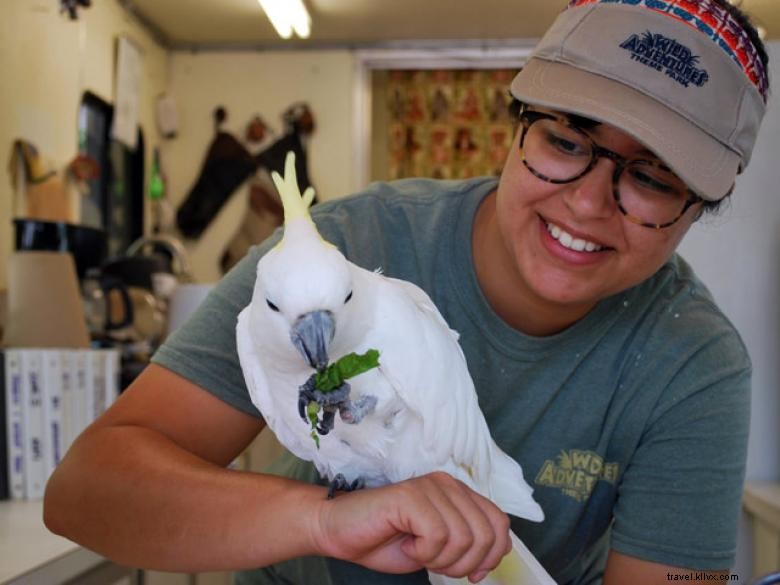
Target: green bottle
(156,181)
(156,192)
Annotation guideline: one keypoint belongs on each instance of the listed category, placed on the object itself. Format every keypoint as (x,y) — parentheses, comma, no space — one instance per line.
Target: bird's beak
(311,335)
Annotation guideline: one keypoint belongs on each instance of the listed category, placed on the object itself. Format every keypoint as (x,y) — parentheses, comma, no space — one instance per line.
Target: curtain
(448,124)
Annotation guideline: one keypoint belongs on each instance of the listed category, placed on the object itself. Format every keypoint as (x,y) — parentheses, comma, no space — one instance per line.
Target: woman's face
(533,218)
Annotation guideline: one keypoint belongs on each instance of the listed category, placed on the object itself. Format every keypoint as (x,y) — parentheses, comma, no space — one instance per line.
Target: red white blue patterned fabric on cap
(714,21)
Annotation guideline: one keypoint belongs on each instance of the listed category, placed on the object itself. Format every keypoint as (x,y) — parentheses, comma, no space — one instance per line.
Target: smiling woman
(601,363)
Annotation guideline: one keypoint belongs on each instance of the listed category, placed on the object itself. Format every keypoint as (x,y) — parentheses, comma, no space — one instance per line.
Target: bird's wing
(426,365)
(259,387)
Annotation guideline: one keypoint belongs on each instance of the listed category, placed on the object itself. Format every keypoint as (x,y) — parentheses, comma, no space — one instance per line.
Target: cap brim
(705,164)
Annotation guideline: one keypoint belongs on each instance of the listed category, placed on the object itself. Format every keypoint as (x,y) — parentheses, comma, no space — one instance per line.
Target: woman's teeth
(566,240)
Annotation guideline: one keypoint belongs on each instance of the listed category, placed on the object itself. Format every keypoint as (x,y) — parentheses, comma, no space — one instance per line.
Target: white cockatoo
(414,413)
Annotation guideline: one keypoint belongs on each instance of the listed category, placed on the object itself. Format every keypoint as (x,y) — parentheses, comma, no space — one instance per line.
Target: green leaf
(346,367)
(312,409)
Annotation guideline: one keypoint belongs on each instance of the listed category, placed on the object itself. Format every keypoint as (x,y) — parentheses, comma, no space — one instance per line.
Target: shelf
(30,554)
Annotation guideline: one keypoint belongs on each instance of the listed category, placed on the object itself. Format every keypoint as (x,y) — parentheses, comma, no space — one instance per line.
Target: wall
(264,83)
(737,254)
(46,63)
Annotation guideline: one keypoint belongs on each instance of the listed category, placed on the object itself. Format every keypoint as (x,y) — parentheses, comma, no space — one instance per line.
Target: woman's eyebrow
(589,124)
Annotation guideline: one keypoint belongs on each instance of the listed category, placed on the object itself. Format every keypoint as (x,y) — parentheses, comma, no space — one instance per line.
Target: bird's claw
(353,412)
(330,402)
(340,483)
(328,419)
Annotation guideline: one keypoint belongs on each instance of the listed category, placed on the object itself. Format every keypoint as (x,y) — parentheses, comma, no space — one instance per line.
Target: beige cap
(676,88)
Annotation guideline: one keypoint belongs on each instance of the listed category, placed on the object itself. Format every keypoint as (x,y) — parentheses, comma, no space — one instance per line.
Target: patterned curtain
(448,124)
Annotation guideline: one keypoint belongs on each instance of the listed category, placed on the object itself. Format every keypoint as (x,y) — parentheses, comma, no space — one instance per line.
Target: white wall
(45,70)
(47,62)
(737,255)
(265,83)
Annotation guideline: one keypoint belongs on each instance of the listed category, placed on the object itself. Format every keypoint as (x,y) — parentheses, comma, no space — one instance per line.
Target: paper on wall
(128,88)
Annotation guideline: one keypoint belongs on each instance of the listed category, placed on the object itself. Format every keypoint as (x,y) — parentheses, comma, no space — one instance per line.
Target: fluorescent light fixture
(288,16)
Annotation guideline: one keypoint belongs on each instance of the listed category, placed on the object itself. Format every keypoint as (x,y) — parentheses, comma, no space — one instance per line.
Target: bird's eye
(272,306)
(349,296)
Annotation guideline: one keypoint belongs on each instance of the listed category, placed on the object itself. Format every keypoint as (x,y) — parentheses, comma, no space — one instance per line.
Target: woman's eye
(651,183)
(349,296)
(566,146)
(272,306)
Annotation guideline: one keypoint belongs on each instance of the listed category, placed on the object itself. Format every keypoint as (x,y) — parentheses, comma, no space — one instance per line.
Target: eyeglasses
(647,192)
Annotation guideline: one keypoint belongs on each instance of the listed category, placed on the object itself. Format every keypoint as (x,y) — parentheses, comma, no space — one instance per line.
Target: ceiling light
(288,16)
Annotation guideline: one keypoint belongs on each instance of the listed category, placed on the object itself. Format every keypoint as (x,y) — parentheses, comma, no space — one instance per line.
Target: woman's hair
(712,207)
(747,25)
(707,207)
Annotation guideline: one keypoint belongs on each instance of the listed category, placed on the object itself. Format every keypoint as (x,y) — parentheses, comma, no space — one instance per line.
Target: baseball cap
(680,76)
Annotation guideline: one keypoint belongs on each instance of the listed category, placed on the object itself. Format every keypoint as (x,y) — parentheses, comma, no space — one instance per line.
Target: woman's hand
(433,522)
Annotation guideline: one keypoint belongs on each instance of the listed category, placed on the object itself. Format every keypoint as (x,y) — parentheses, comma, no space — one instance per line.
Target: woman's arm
(146,486)
(622,569)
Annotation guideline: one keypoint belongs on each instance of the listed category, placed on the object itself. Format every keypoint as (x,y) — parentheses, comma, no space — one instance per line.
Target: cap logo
(714,21)
(667,56)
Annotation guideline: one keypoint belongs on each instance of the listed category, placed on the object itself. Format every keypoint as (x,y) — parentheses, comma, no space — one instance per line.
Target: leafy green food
(312,409)
(333,377)
(345,367)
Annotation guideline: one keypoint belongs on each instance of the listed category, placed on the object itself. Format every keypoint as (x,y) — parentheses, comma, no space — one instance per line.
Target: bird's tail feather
(509,490)
(519,567)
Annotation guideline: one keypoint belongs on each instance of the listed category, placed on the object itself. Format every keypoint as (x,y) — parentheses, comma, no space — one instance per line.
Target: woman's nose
(591,196)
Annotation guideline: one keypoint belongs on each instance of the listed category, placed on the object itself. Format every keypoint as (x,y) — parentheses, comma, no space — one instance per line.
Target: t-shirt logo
(666,55)
(576,473)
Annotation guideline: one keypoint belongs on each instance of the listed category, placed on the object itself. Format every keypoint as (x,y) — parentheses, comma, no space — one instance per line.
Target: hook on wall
(72,6)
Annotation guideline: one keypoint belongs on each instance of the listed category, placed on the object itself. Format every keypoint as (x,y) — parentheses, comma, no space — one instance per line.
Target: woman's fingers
(502,545)
(465,532)
(433,521)
(444,532)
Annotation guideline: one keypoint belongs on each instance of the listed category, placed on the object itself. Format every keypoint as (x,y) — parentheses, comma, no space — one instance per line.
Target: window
(114,201)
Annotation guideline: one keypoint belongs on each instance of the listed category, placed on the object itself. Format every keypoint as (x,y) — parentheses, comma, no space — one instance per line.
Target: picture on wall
(446,124)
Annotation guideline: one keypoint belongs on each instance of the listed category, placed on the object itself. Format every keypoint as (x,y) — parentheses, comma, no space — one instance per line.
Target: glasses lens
(651,193)
(556,151)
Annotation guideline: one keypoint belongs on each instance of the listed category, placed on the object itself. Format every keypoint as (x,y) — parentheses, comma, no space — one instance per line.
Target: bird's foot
(328,403)
(340,483)
(308,393)
(353,412)
(305,396)
(328,420)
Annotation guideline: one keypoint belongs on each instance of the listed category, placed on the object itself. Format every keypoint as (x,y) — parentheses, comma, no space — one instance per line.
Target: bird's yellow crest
(295,205)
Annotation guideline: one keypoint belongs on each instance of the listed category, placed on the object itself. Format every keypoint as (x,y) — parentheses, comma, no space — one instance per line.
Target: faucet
(180,262)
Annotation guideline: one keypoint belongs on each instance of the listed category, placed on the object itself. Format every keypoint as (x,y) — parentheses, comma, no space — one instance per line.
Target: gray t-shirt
(631,425)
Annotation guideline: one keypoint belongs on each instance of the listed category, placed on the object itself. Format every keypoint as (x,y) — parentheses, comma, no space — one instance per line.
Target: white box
(32,416)
(69,402)
(83,391)
(52,409)
(14,423)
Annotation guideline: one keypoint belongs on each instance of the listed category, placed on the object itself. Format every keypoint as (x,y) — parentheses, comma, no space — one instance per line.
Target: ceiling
(354,23)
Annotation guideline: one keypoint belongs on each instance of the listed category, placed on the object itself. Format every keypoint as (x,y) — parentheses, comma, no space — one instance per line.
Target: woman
(601,362)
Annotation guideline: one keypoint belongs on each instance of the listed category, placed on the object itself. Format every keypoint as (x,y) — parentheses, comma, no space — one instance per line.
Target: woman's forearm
(134,496)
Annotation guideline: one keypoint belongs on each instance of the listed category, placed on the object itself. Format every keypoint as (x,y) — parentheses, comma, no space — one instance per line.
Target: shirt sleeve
(203,349)
(679,499)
